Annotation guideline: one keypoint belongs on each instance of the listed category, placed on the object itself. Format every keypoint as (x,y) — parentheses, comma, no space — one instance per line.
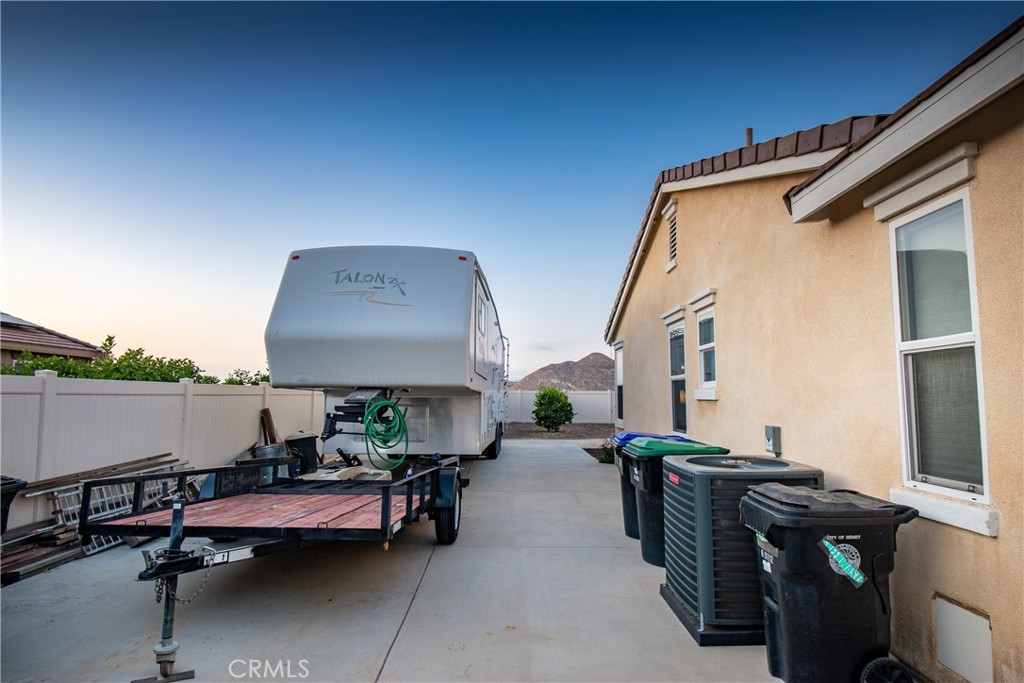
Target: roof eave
(990,72)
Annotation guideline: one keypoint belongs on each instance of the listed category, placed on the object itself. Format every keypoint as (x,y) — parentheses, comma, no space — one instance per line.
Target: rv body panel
(417,321)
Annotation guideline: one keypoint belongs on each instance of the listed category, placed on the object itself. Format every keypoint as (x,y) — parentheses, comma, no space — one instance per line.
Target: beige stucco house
(861,286)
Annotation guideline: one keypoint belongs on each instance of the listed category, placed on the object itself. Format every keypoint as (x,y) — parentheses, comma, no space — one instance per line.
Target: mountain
(595,372)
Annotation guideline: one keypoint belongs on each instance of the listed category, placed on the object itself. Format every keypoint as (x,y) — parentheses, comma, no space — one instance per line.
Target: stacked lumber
(129,467)
(41,550)
(37,547)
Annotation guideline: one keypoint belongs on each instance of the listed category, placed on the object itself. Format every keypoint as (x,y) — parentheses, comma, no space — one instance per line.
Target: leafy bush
(132,365)
(607,454)
(551,409)
(244,377)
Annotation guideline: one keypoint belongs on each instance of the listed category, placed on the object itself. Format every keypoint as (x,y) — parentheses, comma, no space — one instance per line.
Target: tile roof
(859,141)
(17,334)
(817,139)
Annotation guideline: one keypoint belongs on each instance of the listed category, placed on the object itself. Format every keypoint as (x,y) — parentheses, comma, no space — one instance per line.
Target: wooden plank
(99,472)
(368,517)
(347,505)
(241,504)
(268,424)
(288,511)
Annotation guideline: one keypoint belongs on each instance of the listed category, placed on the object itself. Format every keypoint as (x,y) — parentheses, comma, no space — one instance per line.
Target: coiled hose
(380,434)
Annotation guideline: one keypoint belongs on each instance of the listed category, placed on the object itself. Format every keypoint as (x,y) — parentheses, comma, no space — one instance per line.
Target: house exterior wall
(805,340)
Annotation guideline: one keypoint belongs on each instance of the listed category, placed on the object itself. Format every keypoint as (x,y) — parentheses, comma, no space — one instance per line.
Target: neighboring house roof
(990,71)
(800,151)
(17,335)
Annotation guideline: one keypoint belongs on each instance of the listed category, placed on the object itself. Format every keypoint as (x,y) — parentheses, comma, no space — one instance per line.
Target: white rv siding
(373,317)
(418,321)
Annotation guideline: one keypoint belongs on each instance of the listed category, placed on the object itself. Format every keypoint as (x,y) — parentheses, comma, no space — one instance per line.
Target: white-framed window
(706,349)
(619,411)
(677,376)
(938,360)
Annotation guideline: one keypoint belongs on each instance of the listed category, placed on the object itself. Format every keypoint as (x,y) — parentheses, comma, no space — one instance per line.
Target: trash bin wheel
(885,670)
(446,520)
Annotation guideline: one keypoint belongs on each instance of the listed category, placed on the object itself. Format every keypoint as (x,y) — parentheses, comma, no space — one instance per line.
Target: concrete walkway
(542,585)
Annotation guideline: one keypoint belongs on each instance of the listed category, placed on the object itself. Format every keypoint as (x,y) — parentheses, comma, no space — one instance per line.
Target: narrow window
(618,386)
(677,377)
(937,348)
(706,348)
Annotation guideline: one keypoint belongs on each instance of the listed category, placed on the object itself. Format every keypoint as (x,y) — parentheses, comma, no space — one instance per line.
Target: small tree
(551,409)
(134,365)
(243,377)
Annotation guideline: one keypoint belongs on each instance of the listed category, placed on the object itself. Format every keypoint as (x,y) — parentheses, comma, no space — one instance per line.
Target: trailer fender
(444,496)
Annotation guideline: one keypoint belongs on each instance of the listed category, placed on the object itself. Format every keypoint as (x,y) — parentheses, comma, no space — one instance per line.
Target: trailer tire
(446,520)
(494,450)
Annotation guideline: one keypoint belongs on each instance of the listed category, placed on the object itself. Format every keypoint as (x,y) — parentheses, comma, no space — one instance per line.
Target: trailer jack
(167,647)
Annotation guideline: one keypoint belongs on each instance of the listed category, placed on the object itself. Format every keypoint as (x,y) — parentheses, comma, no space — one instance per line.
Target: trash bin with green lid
(825,559)
(643,457)
(628,491)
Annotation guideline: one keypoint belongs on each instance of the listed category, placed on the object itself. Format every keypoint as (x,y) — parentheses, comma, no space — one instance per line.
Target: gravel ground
(528,430)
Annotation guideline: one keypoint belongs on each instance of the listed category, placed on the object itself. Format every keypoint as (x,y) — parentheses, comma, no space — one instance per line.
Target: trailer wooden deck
(292,511)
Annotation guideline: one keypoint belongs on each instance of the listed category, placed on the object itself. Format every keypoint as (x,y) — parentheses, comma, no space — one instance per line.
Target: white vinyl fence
(597,407)
(52,426)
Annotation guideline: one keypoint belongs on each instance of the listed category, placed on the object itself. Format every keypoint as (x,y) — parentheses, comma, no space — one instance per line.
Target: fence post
(47,441)
(188,406)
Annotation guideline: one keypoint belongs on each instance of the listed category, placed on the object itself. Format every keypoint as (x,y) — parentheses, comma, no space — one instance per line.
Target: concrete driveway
(542,585)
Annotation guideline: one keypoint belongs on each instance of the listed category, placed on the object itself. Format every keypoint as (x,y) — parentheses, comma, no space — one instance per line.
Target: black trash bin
(628,491)
(9,487)
(643,456)
(825,559)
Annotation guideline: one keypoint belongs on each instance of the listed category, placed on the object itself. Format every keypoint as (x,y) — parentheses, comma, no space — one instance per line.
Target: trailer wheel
(494,450)
(446,520)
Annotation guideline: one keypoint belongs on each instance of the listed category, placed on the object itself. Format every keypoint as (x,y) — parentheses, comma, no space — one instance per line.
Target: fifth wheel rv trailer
(414,326)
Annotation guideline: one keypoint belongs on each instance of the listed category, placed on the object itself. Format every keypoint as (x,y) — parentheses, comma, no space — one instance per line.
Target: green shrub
(244,377)
(551,409)
(607,454)
(134,365)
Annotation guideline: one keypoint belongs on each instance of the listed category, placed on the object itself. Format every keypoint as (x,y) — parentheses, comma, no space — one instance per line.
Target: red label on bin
(673,477)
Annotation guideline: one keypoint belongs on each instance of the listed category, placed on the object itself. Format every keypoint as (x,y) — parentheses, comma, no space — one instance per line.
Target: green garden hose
(382,435)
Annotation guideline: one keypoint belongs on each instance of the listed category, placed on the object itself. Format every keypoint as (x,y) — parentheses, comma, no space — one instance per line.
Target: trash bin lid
(10,484)
(656,447)
(623,438)
(802,506)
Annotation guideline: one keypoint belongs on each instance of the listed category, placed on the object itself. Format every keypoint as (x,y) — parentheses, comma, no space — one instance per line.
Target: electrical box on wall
(773,439)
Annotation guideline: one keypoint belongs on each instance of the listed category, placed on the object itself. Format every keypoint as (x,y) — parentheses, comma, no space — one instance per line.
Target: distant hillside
(595,372)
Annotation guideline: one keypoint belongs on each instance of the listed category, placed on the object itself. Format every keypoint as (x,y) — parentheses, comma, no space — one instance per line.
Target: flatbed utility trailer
(284,514)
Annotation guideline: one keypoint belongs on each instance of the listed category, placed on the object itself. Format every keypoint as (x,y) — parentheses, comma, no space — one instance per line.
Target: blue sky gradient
(160,160)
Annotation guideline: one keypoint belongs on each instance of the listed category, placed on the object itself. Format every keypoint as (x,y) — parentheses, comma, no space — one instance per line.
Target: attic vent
(672,239)
(669,214)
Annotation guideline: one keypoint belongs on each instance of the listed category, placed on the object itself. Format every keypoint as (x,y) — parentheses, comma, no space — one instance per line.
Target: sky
(161,160)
